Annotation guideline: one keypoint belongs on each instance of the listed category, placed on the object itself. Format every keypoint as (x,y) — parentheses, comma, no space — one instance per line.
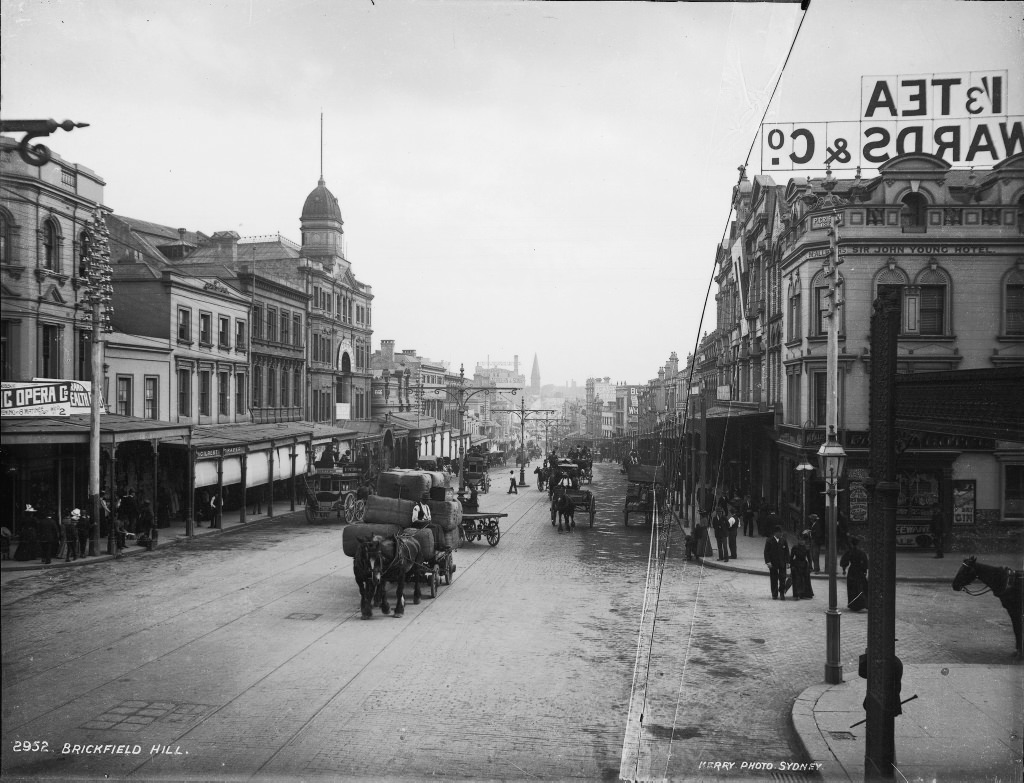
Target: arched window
(912,216)
(891,275)
(933,285)
(51,245)
(1013,302)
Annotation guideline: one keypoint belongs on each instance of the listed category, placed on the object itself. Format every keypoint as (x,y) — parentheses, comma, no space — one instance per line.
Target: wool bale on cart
(402,483)
(391,511)
(353,535)
(446,513)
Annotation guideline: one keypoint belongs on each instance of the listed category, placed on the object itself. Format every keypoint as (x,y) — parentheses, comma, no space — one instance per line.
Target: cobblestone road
(242,656)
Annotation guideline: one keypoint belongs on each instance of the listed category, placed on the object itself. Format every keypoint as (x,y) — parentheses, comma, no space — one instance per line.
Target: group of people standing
(40,537)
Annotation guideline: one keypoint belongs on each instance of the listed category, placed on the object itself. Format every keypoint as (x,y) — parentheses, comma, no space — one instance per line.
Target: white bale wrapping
(438,478)
(446,513)
(405,484)
(352,535)
(388,511)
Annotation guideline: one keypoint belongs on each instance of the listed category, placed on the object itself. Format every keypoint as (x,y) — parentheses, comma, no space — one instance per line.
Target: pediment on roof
(914,162)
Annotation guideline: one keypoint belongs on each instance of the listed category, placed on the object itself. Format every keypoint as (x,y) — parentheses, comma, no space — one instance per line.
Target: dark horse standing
(379,561)
(1006,584)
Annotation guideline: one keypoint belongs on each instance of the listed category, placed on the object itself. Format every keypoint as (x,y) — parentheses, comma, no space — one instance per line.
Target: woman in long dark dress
(800,568)
(28,537)
(855,565)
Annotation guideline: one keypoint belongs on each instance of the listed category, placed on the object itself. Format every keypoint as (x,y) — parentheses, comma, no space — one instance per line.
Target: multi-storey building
(951,242)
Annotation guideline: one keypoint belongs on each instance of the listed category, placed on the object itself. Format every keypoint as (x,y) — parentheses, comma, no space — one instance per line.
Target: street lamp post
(831,462)
(804,468)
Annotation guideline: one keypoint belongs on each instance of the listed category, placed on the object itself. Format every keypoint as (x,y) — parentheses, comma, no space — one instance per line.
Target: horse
(1005,584)
(566,510)
(380,560)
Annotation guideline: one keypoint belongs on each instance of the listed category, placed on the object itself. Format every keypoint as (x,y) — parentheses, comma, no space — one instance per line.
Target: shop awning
(75,429)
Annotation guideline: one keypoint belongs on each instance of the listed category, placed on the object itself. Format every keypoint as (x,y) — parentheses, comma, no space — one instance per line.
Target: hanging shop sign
(45,398)
(962,118)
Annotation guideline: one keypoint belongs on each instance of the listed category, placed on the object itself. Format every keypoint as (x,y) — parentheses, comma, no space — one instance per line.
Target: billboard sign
(962,118)
(44,398)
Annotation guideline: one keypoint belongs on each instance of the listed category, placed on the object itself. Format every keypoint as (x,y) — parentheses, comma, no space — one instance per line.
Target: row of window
(341,306)
(282,388)
(210,383)
(279,326)
(206,334)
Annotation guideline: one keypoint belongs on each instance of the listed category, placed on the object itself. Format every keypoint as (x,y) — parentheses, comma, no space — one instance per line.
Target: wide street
(243,655)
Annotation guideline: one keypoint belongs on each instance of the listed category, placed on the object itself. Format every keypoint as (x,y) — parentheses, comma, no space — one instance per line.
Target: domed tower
(322,227)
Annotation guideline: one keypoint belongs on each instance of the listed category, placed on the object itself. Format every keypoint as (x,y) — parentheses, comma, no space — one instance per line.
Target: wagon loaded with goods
(390,514)
(565,480)
(647,491)
(476,476)
(334,492)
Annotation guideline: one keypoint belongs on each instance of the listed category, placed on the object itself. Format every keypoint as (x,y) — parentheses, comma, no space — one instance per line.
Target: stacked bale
(388,511)
(425,538)
(406,484)
(353,535)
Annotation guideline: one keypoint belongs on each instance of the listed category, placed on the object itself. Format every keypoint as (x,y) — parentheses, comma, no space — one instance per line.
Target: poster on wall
(919,489)
(858,495)
(964,500)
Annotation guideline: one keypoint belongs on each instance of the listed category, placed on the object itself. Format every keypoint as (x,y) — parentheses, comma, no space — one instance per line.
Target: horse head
(966,574)
(368,557)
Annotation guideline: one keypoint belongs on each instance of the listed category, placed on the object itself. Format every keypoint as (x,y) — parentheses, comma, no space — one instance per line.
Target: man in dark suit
(776,556)
(49,537)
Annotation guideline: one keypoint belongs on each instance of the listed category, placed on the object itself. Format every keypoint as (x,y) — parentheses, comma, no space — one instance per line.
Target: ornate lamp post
(805,468)
(831,463)
(523,415)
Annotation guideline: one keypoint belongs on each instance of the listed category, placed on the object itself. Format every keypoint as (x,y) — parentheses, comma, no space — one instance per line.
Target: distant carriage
(565,480)
(476,475)
(647,492)
(335,492)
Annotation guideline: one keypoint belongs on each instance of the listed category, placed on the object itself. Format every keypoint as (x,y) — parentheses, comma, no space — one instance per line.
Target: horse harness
(1009,577)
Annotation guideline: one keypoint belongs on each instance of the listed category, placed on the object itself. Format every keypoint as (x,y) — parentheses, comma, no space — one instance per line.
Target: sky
(516,178)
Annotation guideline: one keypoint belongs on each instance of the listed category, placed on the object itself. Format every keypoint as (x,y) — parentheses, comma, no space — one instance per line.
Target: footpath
(176,533)
(975,729)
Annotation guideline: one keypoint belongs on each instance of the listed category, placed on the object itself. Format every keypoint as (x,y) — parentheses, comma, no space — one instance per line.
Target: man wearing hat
(776,557)
(70,534)
(84,531)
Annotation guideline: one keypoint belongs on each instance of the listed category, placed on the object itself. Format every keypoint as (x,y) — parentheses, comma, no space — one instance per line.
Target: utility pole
(523,415)
(98,295)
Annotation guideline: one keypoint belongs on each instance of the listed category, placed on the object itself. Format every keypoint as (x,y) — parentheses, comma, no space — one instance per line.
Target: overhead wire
(681,441)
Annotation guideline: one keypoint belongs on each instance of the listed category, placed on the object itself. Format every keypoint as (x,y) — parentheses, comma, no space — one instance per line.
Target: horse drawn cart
(476,475)
(436,567)
(586,469)
(476,525)
(334,492)
(565,480)
(647,491)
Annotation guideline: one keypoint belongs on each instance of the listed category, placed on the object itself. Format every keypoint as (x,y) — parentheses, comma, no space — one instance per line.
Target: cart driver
(420,514)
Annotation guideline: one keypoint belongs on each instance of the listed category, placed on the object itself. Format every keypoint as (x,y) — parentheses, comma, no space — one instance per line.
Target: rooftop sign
(962,118)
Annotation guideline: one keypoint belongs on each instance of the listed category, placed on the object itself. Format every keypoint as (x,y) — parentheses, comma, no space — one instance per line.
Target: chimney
(227,245)
(515,364)
(387,352)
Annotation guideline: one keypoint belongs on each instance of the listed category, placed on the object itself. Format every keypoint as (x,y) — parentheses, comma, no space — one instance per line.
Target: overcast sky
(515,177)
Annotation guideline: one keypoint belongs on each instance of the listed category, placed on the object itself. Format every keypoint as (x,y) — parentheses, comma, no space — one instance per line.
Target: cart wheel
(449,566)
(350,507)
(493,535)
(360,510)
(435,579)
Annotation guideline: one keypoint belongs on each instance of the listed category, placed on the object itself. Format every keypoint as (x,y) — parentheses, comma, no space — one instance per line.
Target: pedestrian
(855,568)
(28,536)
(84,534)
(734,529)
(216,503)
(800,569)
(49,538)
(257,500)
(127,510)
(816,536)
(938,525)
(69,533)
(202,501)
(749,513)
(512,488)
(776,557)
(763,527)
(147,525)
(720,524)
